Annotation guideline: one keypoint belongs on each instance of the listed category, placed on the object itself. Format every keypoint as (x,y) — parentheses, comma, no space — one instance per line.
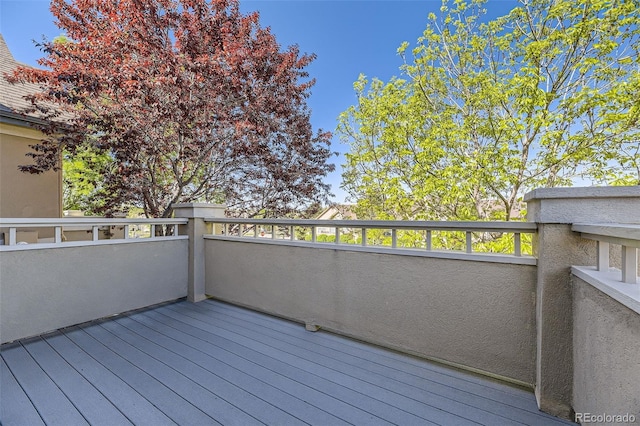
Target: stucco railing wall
(606,328)
(44,287)
(606,357)
(561,244)
(476,314)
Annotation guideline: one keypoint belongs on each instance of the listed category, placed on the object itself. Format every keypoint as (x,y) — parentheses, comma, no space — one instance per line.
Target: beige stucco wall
(606,354)
(25,194)
(477,314)
(557,249)
(45,289)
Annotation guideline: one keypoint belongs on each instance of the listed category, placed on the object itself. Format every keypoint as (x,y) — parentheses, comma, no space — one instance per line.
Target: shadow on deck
(214,363)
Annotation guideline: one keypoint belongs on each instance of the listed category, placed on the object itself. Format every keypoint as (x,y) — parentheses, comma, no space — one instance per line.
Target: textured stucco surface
(46,289)
(25,194)
(574,205)
(606,337)
(557,248)
(196,227)
(476,314)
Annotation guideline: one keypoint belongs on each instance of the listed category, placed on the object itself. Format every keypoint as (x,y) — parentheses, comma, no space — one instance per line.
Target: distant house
(22,194)
(335,212)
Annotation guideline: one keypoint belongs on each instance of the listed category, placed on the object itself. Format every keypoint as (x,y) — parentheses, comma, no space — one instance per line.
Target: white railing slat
(517,244)
(625,235)
(629,264)
(517,228)
(88,228)
(603,256)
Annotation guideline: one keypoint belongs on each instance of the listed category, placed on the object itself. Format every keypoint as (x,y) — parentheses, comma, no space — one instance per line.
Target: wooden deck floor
(213,363)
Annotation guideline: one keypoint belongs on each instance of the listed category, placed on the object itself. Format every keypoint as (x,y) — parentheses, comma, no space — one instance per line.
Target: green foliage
(486,111)
(83,179)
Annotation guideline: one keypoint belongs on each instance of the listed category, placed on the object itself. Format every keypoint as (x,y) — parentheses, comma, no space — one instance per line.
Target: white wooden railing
(625,235)
(337,230)
(90,229)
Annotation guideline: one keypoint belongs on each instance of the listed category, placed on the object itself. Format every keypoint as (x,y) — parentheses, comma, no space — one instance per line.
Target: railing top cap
(625,231)
(198,205)
(584,192)
(68,221)
(399,224)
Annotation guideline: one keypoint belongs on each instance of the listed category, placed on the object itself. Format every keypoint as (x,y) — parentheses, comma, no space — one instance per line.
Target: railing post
(629,264)
(12,236)
(557,249)
(603,256)
(196,213)
(57,234)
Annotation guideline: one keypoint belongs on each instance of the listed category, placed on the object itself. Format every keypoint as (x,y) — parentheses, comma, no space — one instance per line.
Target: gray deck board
(208,359)
(319,395)
(137,349)
(54,407)
(214,363)
(93,406)
(359,381)
(129,402)
(493,397)
(16,408)
(446,398)
(368,353)
(358,403)
(280,382)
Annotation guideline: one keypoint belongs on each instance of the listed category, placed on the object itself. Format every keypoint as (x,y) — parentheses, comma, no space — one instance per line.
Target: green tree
(488,110)
(83,179)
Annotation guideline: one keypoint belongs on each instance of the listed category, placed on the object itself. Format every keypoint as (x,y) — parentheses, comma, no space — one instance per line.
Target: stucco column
(557,248)
(196,213)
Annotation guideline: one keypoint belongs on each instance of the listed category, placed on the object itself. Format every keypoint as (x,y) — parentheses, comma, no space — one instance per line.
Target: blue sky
(348,36)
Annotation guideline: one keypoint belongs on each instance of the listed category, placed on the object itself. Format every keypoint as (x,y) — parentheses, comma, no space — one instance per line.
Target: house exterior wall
(477,314)
(46,289)
(606,354)
(25,194)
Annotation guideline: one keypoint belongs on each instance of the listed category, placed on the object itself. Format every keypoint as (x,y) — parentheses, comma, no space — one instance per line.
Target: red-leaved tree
(192,100)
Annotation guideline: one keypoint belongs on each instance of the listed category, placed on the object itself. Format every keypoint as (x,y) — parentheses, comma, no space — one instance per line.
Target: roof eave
(10,117)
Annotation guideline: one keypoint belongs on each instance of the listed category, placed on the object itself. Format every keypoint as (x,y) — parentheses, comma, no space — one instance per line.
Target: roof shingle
(12,95)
